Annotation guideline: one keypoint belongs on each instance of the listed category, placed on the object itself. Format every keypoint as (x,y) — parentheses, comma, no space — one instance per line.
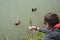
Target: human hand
(32,28)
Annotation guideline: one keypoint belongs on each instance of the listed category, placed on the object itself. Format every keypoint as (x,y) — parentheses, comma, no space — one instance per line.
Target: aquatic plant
(37,36)
(30,21)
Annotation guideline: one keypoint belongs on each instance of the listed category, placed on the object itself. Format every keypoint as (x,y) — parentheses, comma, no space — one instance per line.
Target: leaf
(30,22)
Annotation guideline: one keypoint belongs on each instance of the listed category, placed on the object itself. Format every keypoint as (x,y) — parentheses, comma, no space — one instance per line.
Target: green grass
(30,22)
(37,36)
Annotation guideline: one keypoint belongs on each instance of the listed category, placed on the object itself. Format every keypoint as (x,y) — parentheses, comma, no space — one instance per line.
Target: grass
(37,36)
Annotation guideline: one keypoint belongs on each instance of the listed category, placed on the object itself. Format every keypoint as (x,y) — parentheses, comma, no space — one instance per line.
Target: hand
(32,28)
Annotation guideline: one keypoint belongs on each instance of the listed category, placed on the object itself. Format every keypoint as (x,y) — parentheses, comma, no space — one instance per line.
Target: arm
(44,30)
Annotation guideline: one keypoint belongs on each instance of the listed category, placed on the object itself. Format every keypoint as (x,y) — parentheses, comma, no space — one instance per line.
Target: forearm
(44,30)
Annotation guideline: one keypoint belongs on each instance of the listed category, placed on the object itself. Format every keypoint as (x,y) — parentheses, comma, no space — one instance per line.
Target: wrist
(37,28)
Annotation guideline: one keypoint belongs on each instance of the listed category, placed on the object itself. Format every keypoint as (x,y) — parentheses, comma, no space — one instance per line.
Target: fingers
(31,28)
